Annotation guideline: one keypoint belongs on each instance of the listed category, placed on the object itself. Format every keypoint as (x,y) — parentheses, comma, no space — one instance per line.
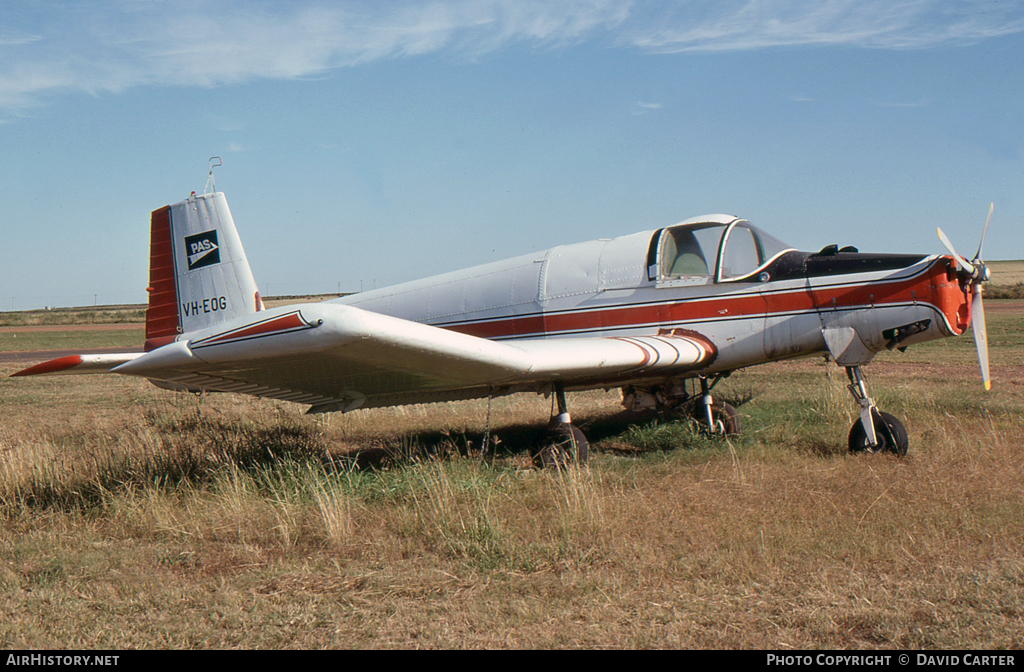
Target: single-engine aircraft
(646,312)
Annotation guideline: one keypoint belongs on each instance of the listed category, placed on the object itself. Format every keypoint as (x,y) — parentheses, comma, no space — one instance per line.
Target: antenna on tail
(210,186)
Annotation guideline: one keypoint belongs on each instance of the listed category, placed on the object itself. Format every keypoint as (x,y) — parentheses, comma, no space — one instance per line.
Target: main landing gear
(713,417)
(716,418)
(562,443)
(875,431)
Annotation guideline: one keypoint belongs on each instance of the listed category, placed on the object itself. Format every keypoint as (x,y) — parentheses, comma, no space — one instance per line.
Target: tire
(726,419)
(561,445)
(890,432)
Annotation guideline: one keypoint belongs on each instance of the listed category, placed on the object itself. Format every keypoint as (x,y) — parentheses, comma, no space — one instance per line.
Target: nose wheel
(875,431)
(890,436)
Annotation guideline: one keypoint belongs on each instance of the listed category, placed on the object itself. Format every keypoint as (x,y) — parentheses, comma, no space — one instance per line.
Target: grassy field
(134,517)
(135,314)
(1006,272)
(126,336)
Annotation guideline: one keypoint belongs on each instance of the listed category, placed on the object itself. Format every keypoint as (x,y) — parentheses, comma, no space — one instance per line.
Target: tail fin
(198,273)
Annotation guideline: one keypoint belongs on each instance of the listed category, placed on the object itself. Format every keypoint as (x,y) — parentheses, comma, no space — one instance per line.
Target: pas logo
(202,250)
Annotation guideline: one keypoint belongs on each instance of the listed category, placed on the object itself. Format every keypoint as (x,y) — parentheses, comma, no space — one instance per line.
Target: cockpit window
(690,251)
(742,254)
(711,249)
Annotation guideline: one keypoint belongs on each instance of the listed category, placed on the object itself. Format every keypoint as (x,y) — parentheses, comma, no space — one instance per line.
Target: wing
(338,357)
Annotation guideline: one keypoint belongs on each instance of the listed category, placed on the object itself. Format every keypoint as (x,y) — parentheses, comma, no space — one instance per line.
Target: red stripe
(283,323)
(932,287)
(52,366)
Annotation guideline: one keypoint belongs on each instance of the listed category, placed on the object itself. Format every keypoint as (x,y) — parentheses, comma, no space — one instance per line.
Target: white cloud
(644,108)
(109,47)
(734,25)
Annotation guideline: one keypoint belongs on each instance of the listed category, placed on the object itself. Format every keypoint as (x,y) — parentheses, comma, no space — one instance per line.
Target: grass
(72,339)
(1006,272)
(71,316)
(151,519)
(1007,280)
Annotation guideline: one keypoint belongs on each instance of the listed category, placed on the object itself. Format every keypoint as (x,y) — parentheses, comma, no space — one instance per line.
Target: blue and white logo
(202,250)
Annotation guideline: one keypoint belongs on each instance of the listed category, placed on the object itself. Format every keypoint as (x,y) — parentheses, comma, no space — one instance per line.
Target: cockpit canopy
(717,246)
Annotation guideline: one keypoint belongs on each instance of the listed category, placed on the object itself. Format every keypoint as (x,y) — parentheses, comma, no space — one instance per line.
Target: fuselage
(757,301)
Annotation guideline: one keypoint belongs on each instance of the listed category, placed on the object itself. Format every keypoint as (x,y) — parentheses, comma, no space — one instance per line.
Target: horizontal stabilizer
(75,364)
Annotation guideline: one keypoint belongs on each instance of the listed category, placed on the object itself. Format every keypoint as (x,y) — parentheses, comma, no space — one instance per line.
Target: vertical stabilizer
(198,273)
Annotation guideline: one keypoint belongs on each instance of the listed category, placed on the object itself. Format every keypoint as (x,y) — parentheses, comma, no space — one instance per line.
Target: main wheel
(561,445)
(725,419)
(890,432)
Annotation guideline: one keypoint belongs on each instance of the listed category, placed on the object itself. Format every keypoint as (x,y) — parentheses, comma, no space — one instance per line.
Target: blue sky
(368,143)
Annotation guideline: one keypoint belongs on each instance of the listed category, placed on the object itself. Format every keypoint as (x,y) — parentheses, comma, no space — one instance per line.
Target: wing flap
(588,358)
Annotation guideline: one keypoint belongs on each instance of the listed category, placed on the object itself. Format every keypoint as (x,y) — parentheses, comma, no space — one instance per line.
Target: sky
(369,143)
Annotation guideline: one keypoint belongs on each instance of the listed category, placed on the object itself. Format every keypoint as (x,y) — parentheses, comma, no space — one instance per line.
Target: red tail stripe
(162,318)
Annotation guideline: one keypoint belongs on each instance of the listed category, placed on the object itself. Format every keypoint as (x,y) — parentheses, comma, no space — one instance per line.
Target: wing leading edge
(336,357)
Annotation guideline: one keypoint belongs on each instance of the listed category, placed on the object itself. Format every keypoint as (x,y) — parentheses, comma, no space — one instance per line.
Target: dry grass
(1006,272)
(138,518)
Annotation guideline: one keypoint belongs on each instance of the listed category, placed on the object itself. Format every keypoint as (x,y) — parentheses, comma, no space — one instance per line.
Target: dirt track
(30,357)
(1004,306)
(73,327)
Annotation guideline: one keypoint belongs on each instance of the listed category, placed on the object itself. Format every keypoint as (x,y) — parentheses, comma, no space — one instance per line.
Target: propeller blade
(980,334)
(984,233)
(964,264)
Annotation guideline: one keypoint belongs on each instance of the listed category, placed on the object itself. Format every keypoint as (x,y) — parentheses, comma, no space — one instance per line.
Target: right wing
(338,357)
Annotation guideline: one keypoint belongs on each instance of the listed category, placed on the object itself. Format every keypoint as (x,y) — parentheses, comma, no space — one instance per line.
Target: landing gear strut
(875,431)
(718,417)
(671,398)
(562,443)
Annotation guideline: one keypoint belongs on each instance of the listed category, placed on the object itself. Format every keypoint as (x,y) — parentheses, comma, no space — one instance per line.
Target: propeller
(976,273)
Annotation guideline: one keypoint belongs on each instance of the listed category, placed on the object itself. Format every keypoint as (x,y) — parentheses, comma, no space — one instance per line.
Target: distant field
(117,314)
(133,517)
(74,337)
(1006,272)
